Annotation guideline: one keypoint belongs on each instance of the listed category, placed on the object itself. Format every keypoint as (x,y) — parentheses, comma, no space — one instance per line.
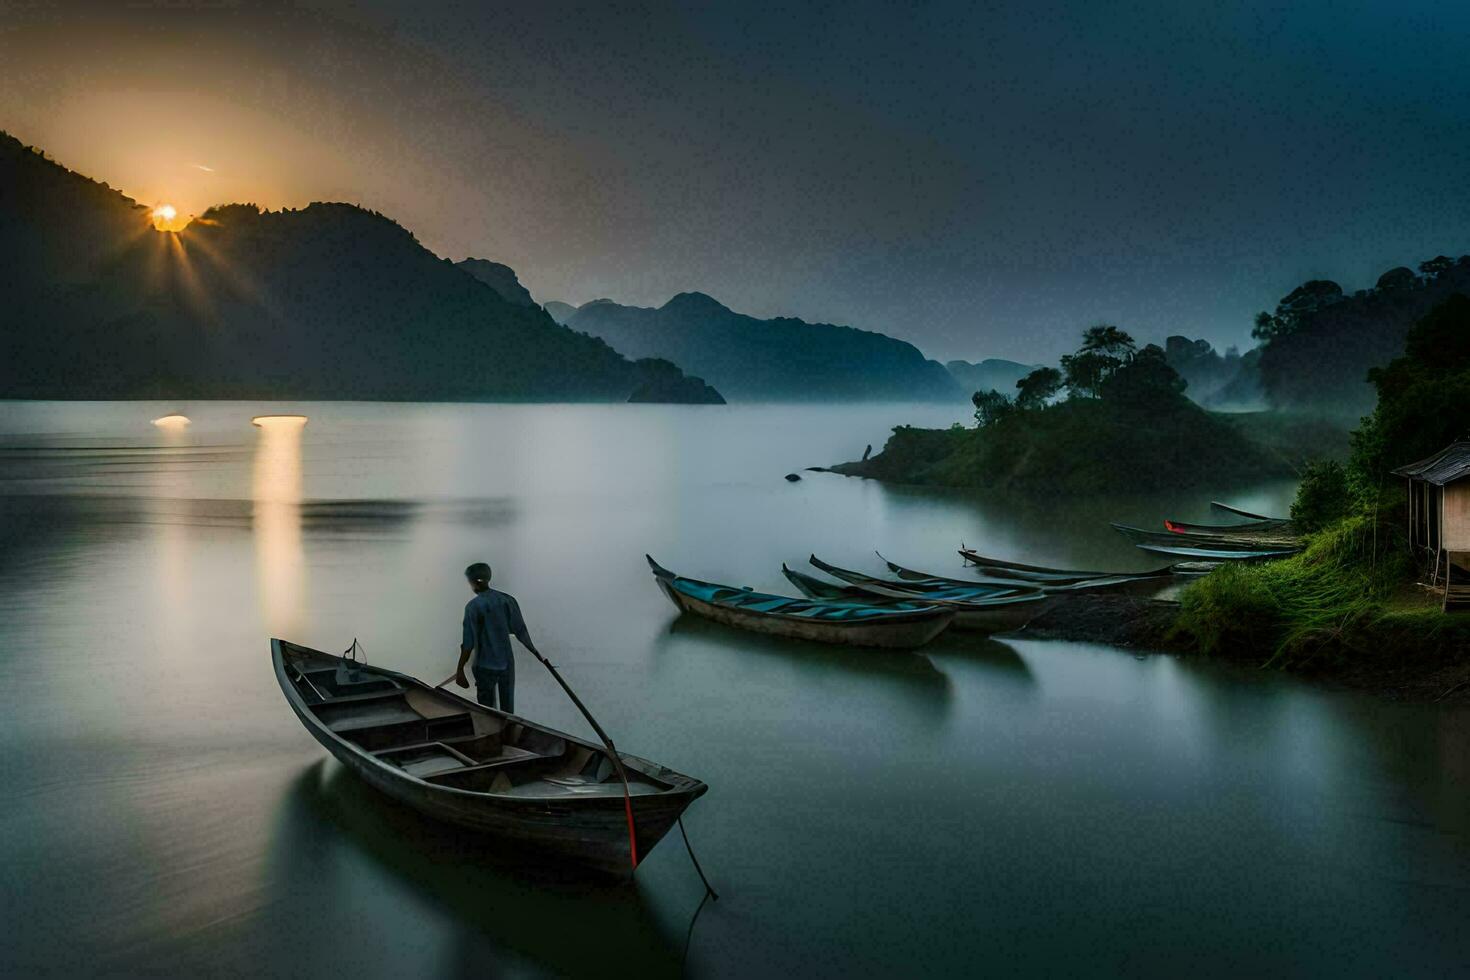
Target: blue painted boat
(893,625)
(984,607)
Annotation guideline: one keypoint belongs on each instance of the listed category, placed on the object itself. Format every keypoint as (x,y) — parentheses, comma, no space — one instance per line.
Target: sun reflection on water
(277,490)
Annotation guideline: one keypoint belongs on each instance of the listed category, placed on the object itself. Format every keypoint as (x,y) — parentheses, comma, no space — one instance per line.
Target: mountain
(501,278)
(783,359)
(664,382)
(330,301)
(991,374)
(1320,343)
(559,311)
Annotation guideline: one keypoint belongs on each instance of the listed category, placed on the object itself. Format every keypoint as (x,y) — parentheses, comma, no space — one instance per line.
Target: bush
(1323,497)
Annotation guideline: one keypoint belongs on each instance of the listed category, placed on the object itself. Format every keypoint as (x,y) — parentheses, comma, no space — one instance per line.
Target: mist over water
(987,805)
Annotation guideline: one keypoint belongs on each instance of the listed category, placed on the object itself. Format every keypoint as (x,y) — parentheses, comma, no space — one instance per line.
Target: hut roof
(1446,466)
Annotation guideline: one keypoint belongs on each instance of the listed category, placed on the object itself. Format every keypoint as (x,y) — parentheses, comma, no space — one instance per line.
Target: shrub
(1323,497)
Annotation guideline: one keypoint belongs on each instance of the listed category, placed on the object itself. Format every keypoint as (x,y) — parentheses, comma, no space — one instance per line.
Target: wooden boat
(982,607)
(454,760)
(1115,583)
(1207,553)
(1245,527)
(901,626)
(1165,541)
(1241,513)
(1000,568)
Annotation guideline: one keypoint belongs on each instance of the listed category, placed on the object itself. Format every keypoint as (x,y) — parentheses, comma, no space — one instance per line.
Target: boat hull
(1003,618)
(895,633)
(589,832)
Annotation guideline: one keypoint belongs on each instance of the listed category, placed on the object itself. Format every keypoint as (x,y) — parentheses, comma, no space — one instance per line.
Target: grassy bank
(1348,602)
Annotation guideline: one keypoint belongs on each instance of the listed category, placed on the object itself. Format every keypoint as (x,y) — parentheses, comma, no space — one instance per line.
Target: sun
(166,218)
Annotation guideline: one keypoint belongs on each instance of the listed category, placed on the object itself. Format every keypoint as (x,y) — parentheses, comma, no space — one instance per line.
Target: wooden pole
(612,752)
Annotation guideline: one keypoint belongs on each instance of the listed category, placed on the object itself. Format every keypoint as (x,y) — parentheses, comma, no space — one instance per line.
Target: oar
(611,751)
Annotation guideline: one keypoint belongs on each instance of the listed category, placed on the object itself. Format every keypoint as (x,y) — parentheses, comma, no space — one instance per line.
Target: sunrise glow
(166,217)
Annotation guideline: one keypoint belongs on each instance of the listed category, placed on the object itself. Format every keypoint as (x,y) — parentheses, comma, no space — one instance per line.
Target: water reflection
(905,675)
(277,489)
(995,658)
(475,909)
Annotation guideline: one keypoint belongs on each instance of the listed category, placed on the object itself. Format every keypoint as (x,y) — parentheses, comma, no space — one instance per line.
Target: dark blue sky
(984,180)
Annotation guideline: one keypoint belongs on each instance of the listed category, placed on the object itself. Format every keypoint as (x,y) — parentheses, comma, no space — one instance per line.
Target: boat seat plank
(556,786)
(346,717)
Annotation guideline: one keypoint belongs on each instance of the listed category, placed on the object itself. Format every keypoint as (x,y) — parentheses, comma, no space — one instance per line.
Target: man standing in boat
(491,618)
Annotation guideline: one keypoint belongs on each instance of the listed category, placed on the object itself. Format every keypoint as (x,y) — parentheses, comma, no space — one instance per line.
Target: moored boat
(1249,515)
(1242,528)
(902,625)
(1165,542)
(983,607)
(1208,553)
(1110,582)
(461,762)
(998,568)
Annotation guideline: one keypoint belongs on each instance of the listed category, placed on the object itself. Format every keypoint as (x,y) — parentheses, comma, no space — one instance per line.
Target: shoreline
(1146,625)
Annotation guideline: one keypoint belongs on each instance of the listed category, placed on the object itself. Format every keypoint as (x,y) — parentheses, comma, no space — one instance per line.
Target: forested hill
(782,359)
(1319,343)
(330,301)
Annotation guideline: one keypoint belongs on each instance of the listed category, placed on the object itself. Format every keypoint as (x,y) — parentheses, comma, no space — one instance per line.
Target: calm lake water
(988,807)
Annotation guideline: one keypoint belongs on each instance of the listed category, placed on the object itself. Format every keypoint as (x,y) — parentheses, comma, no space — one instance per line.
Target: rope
(709,892)
(357,653)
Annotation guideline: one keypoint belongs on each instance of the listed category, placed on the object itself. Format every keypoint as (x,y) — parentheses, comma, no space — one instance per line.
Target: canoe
(1207,553)
(898,626)
(981,607)
(1113,583)
(999,568)
(1241,513)
(1277,543)
(535,788)
(1246,527)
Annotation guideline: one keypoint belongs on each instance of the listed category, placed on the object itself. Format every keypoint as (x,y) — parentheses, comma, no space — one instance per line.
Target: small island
(1112,417)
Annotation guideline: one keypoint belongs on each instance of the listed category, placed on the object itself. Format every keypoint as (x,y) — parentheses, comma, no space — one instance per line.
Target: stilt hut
(1439,517)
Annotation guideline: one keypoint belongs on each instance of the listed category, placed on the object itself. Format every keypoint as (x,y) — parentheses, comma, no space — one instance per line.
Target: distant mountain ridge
(991,374)
(781,359)
(330,301)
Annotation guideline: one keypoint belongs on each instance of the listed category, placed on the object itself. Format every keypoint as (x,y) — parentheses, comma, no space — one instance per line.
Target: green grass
(1349,594)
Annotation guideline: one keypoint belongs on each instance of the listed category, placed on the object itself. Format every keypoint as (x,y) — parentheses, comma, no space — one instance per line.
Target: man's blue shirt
(490,619)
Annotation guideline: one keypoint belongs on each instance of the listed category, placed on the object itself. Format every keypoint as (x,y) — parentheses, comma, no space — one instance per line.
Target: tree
(1437,266)
(1397,280)
(1323,497)
(1038,387)
(990,407)
(1145,381)
(1104,348)
(1421,398)
(1295,307)
(1108,340)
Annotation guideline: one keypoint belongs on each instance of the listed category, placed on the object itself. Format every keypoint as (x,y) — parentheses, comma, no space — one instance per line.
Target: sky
(984,180)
